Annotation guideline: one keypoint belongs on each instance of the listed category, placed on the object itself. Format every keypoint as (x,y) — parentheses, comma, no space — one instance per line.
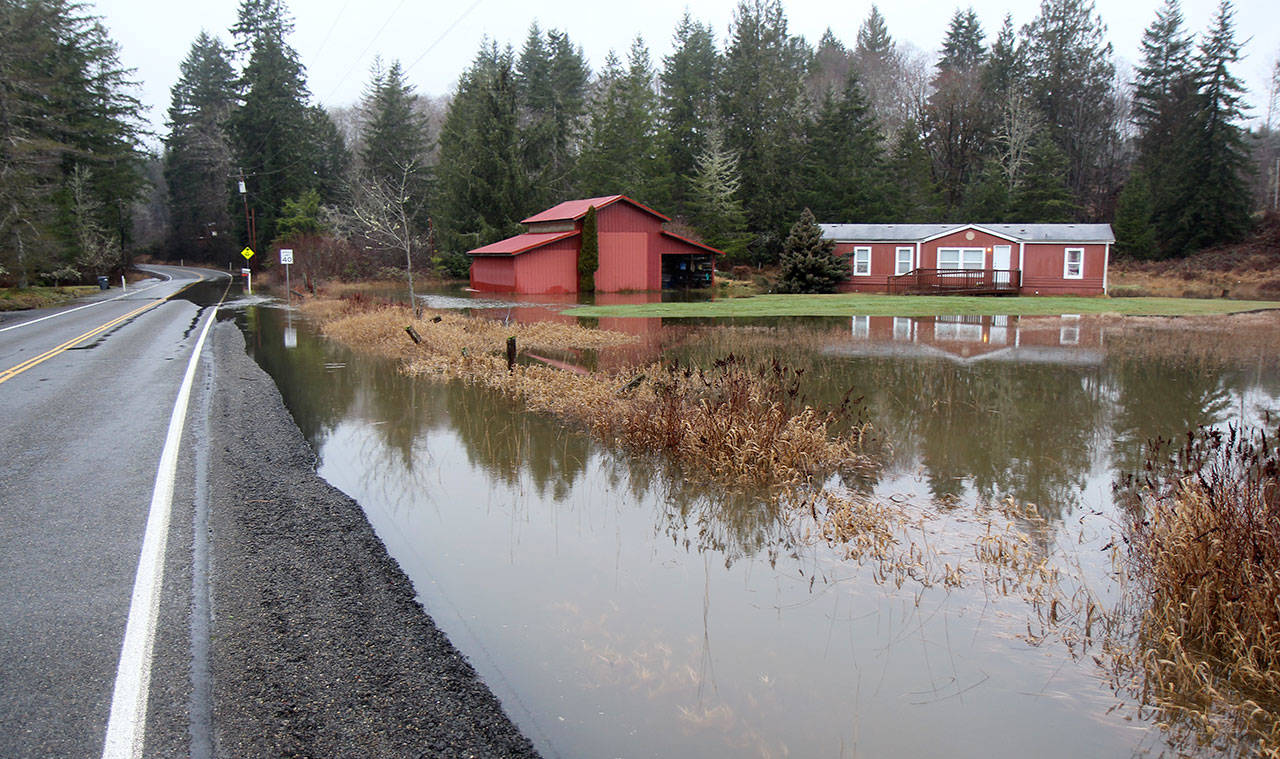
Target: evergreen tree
(687,105)
(1166,63)
(1043,196)
(716,210)
(1212,200)
(844,162)
(829,68)
(198,159)
(551,82)
(273,128)
(957,117)
(880,69)
(963,48)
(809,263)
(1134,225)
(589,253)
(394,149)
(760,107)
(482,189)
(69,135)
(988,197)
(911,192)
(1070,78)
(619,154)
(1005,68)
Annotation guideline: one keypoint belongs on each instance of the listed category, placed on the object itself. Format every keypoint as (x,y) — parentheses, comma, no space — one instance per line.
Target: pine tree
(760,107)
(1134,225)
(1166,62)
(829,68)
(844,162)
(273,127)
(551,81)
(687,106)
(1005,69)
(198,158)
(957,117)
(589,253)
(619,153)
(1070,78)
(879,67)
(716,211)
(1212,203)
(809,263)
(911,192)
(482,188)
(1043,197)
(394,144)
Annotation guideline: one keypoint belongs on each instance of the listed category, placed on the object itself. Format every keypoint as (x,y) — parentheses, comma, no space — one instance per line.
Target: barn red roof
(694,243)
(572,210)
(522,243)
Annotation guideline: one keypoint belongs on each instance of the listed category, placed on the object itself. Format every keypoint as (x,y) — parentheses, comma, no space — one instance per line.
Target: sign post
(286,258)
(248,277)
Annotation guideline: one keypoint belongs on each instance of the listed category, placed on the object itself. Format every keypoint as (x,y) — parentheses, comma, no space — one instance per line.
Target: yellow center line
(12,372)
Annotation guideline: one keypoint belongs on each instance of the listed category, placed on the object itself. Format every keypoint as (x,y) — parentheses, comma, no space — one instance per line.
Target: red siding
(623,259)
(883,263)
(960,239)
(550,269)
(493,274)
(1042,269)
(635,269)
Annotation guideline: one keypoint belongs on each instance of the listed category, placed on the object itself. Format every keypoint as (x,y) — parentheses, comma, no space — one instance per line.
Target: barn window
(904,261)
(862,261)
(1073,264)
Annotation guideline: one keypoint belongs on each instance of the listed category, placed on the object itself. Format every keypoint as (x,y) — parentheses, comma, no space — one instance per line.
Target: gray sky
(338,39)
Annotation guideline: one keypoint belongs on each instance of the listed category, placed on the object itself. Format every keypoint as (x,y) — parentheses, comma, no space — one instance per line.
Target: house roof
(1094,233)
(521,243)
(695,244)
(572,210)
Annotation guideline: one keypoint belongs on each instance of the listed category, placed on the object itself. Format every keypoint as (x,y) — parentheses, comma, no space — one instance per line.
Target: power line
(329,34)
(440,39)
(360,57)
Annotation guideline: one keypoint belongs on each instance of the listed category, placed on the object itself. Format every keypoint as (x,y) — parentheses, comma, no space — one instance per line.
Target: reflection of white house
(968,339)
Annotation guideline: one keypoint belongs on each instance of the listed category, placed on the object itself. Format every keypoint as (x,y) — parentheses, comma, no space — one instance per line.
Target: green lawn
(851,304)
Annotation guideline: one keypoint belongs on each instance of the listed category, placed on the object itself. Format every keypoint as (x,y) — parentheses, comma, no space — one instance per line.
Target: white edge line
(126,727)
(87,305)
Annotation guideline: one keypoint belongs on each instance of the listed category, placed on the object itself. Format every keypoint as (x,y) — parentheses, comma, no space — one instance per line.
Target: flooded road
(618,611)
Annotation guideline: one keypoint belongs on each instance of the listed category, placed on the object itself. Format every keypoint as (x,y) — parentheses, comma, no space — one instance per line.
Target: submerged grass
(850,304)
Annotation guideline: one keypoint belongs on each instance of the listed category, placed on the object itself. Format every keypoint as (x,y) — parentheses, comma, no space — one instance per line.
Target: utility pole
(248,225)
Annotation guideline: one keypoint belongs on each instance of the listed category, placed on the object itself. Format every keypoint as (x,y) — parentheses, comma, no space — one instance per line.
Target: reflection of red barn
(636,253)
(1025,259)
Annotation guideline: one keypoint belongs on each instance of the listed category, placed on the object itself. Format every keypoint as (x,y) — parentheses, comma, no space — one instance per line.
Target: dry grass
(1204,590)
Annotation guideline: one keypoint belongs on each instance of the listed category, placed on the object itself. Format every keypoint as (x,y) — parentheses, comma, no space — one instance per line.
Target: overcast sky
(338,39)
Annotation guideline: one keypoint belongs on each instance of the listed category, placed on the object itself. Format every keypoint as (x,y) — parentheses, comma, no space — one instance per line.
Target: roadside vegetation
(17,299)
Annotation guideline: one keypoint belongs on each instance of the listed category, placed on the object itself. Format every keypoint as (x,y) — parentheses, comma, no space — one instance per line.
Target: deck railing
(957,282)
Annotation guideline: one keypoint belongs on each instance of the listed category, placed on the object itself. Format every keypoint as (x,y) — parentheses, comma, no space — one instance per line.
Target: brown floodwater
(619,611)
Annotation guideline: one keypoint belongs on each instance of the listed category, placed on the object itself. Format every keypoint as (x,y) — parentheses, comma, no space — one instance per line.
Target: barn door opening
(683,271)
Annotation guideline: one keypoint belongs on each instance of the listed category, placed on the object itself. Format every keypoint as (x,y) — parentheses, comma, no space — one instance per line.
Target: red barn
(1021,259)
(636,253)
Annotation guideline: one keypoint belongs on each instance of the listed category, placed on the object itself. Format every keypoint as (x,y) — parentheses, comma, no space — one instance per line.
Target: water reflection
(619,609)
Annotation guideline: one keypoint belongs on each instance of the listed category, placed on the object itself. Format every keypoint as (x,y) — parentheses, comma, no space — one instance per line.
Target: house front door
(1001,256)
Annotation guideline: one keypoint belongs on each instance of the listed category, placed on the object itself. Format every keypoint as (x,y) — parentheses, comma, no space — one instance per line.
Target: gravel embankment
(319,648)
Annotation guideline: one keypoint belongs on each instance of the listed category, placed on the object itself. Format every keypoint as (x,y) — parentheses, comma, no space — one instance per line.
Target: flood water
(618,612)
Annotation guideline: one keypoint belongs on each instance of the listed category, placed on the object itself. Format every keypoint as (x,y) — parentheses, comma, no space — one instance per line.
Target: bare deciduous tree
(386,214)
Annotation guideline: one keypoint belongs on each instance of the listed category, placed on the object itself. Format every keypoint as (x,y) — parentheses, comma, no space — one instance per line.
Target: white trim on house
(973,227)
(853,260)
(897,260)
(1106,266)
(1066,263)
(962,257)
(1022,263)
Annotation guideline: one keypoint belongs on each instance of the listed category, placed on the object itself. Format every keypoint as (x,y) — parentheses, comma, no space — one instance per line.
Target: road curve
(86,392)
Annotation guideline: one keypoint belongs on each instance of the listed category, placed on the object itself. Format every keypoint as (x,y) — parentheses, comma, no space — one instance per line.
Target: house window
(962,258)
(901,328)
(903,264)
(861,262)
(1073,264)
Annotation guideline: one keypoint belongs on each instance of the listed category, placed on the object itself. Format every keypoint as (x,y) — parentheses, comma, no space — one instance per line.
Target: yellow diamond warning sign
(247,253)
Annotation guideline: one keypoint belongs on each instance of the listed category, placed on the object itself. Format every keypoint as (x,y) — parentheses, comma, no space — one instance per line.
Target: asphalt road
(279,625)
(86,392)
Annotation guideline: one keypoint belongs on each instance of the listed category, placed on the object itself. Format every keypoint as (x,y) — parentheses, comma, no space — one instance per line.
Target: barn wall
(493,274)
(1043,264)
(550,269)
(629,266)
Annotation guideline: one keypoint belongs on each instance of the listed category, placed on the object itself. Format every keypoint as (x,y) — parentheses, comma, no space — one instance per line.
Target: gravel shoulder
(319,647)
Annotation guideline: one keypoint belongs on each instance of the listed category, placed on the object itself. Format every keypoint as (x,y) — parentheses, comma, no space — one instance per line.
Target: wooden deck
(957,282)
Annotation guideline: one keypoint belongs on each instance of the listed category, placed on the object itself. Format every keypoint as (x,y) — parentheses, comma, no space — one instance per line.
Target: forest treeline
(732,137)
